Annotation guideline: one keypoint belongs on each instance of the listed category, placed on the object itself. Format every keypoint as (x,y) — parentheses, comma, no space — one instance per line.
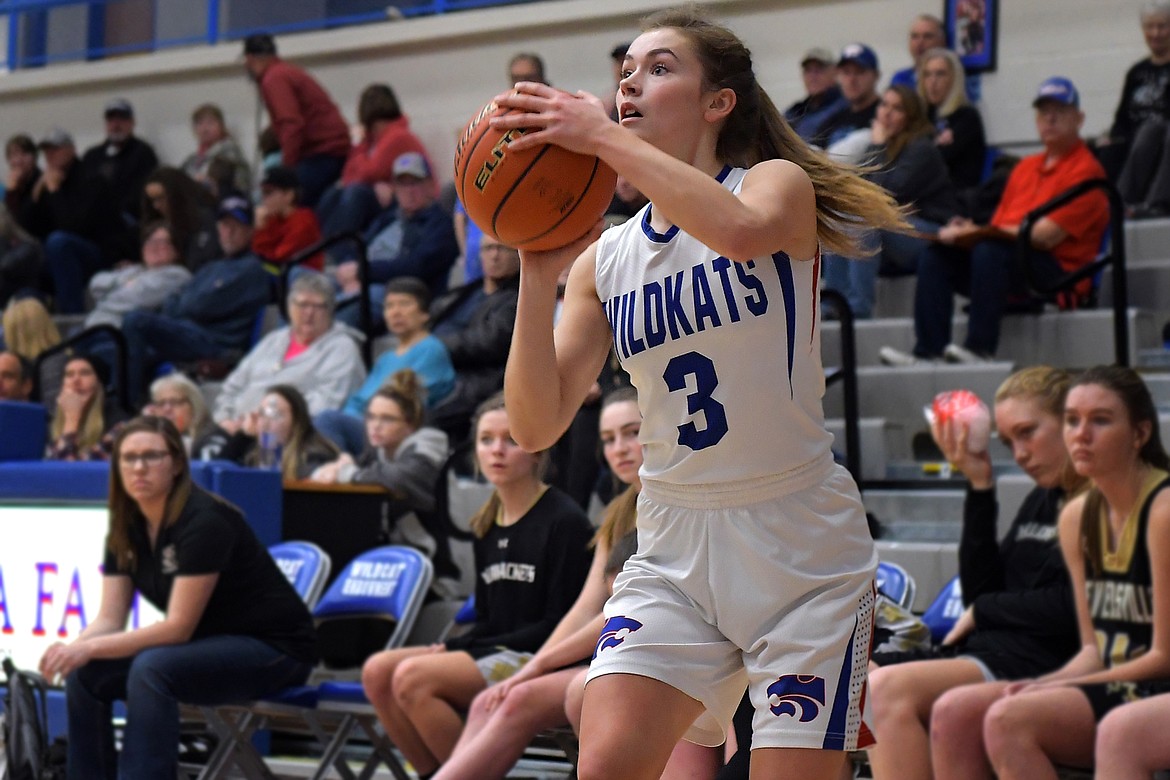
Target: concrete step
(1071,338)
(882,441)
(1159,384)
(1147,288)
(1146,240)
(899,394)
(894,296)
(934,515)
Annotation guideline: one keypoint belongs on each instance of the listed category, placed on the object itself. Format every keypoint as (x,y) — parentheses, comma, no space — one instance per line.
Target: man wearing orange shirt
(980,261)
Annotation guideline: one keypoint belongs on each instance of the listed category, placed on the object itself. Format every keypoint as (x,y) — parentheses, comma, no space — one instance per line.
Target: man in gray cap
(74,215)
(818,69)
(124,161)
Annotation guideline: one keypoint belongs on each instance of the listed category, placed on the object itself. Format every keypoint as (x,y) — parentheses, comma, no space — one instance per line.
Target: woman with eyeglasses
(180,400)
(232,630)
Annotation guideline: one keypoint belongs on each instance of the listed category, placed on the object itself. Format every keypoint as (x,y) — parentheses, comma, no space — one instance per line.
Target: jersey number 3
(701,367)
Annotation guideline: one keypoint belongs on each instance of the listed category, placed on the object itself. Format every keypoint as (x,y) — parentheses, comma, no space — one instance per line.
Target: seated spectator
(29,328)
(857,74)
(468,236)
(407,318)
(84,415)
(174,197)
(526,526)
(980,261)
(913,171)
(75,215)
(22,262)
(526,66)
(16,377)
(504,718)
(475,324)
(627,201)
(416,238)
(283,226)
(1115,543)
(283,413)
(310,132)
(180,400)
(232,629)
(818,70)
(926,32)
(1018,622)
(959,127)
(139,287)
(312,353)
(122,161)
(402,455)
(23,174)
(218,163)
(351,204)
(210,318)
(1138,140)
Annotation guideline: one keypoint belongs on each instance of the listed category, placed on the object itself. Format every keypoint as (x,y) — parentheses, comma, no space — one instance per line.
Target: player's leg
(1028,734)
(796,764)
(431,691)
(630,725)
(689,761)
(956,731)
(575,699)
(1131,740)
(378,681)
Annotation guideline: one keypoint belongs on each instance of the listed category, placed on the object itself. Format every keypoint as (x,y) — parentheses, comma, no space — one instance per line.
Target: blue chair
(305,565)
(895,583)
(385,584)
(944,611)
(22,430)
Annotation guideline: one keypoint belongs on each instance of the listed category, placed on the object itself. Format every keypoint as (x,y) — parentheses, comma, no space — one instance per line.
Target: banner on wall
(51,578)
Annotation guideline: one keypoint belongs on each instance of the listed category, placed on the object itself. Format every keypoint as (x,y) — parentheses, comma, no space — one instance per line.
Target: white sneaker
(896,357)
(954,353)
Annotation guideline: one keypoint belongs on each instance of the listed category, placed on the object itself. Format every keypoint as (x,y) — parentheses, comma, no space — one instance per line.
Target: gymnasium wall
(443,68)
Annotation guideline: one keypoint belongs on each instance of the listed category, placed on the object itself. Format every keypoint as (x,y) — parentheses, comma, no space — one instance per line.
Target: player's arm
(549,374)
(775,210)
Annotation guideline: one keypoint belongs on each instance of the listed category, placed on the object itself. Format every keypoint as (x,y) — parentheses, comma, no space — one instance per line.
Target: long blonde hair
(483,520)
(755,131)
(93,419)
(29,328)
(957,95)
(1048,387)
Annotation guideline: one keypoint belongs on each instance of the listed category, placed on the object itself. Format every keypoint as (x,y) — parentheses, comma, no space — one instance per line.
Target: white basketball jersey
(726,356)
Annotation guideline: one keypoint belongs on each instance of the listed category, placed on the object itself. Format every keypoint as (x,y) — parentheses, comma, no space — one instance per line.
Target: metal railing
(846,374)
(1114,256)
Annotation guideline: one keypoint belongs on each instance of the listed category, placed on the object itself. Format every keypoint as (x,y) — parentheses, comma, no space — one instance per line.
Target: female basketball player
(1116,544)
(754,563)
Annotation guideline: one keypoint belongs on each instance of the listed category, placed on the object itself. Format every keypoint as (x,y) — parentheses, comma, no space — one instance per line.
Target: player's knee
(1113,733)
(890,692)
(411,682)
(1004,728)
(599,765)
(574,698)
(376,676)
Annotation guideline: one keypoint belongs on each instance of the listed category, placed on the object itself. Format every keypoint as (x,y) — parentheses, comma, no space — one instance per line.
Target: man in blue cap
(979,261)
(857,75)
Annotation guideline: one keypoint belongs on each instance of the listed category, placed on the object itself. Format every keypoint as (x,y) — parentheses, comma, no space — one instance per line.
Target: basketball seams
(586,190)
(464,154)
(511,191)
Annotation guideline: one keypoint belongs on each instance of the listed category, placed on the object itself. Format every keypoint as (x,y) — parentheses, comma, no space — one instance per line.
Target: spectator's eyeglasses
(171,403)
(303,304)
(129,460)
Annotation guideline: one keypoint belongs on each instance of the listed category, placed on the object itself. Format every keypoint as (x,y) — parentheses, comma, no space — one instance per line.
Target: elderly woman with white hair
(313,353)
(1141,126)
(177,398)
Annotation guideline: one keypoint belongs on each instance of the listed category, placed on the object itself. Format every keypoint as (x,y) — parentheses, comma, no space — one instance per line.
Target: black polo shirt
(251,597)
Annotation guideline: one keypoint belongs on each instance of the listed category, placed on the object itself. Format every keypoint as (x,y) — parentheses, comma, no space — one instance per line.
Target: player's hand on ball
(573,122)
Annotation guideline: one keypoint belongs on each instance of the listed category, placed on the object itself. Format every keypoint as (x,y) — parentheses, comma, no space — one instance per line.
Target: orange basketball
(540,198)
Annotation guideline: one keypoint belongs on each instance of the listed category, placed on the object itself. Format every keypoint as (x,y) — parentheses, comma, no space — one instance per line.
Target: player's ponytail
(755,131)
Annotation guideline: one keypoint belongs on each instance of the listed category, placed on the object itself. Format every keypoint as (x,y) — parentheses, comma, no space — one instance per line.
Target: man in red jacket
(314,139)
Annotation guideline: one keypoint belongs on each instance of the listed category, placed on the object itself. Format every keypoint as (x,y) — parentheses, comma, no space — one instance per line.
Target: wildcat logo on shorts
(800,696)
(615,631)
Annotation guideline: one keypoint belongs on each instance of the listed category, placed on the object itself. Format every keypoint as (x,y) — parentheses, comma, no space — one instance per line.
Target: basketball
(537,199)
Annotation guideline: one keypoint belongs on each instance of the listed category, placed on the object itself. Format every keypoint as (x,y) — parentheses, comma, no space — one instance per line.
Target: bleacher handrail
(847,375)
(1114,257)
(120,375)
(363,261)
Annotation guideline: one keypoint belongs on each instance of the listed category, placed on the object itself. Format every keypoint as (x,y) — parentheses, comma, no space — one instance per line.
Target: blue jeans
(988,275)
(347,432)
(155,338)
(212,671)
(316,174)
(71,261)
(856,279)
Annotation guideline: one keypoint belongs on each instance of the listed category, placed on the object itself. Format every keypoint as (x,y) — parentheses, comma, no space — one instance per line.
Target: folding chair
(946,608)
(305,565)
(895,583)
(386,584)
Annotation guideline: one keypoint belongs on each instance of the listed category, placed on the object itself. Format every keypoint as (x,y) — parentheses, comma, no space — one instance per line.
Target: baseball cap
(818,54)
(1057,89)
(259,43)
(411,164)
(281,177)
(119,106)
(235,207)
(859,53)
(54,138)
